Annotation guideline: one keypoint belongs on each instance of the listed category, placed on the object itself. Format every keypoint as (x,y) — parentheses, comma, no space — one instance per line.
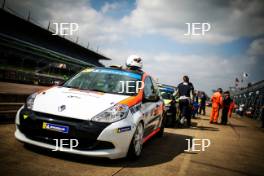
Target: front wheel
(136,144)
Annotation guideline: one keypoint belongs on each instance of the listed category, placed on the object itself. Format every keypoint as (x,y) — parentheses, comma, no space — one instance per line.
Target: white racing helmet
(134,61)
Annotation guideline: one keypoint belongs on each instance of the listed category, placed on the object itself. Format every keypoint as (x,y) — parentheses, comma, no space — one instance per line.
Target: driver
(134,62)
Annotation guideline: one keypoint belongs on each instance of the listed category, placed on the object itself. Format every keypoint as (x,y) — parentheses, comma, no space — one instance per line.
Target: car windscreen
(106,80)
(165,94)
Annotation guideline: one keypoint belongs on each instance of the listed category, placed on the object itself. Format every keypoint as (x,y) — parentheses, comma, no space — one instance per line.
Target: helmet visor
(138,60)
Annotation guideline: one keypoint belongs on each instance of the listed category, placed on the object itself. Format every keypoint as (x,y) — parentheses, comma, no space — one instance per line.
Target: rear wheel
(136,144)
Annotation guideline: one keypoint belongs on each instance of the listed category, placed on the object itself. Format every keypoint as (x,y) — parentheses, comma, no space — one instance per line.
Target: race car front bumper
(94,138)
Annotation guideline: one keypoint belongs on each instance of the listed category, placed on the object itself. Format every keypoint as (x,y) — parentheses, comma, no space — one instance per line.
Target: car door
(159,105)
(149,107)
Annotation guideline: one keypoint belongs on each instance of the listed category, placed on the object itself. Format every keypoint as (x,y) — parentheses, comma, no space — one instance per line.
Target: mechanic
(226,106)
(185,92)
(217,101)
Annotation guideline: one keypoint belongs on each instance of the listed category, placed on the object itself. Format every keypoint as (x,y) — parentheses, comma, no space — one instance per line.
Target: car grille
(86,132)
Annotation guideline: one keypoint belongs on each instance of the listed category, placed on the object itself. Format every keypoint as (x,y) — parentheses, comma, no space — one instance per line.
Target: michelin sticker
(54,127)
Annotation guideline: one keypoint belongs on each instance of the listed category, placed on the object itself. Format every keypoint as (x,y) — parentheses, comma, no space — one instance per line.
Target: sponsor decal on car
(123,129)
(25,116)
(55,127)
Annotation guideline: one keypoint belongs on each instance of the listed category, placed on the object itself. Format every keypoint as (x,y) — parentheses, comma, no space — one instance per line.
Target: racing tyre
(136,144)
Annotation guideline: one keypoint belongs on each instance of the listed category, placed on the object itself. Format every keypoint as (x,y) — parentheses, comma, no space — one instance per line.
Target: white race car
(107,110)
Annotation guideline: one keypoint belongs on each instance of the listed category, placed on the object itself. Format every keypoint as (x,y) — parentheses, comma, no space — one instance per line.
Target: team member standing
(185,92)
(202,103)
(217,101)
(226,106)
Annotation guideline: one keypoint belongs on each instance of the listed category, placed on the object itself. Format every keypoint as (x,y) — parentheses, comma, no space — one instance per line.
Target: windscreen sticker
(119,72)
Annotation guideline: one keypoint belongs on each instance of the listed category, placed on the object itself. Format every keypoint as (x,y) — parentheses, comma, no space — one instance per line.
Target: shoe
(211,122)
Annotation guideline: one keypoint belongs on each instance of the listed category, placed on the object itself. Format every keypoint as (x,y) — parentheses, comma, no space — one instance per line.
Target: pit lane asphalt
(236,149)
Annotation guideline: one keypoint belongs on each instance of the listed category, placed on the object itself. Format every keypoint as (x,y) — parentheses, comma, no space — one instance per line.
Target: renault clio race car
(107,110)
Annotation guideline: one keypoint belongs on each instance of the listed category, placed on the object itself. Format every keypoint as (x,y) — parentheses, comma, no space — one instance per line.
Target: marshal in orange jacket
(217,102)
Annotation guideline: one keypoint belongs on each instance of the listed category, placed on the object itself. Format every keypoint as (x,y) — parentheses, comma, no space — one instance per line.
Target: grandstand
(252,98)
(30,54)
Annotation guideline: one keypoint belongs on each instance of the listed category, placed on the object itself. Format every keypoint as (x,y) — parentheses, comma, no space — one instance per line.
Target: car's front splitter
(108,153)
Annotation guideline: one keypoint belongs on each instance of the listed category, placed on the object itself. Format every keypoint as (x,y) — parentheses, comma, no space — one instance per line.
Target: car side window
(148,87)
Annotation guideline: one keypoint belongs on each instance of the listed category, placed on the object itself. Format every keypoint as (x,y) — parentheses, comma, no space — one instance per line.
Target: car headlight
(30,101)
(113,114)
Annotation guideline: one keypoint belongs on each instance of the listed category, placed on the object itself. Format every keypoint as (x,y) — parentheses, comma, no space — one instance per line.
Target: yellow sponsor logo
(44,125)
(25,116)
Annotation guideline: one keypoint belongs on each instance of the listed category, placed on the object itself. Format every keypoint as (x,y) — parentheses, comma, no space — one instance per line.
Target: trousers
(214,114)
(185,110)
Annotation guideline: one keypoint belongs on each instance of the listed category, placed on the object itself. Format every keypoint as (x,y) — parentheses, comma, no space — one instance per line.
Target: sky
(154,30)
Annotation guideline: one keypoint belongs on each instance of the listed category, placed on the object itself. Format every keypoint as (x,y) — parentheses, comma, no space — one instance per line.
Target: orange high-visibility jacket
(217,100)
